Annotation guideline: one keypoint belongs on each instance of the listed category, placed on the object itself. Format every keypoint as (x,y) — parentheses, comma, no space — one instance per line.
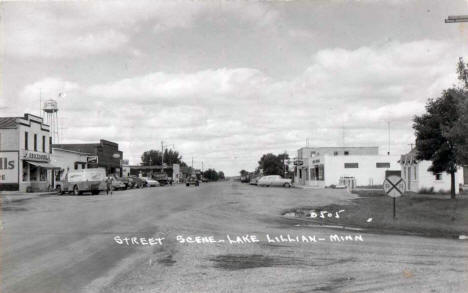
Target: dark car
(125,181)
(192,181)
(136,182)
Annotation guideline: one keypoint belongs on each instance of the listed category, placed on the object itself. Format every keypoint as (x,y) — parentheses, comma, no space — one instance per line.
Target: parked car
(150,182)
(274,180)
(84,180)
(117,184)
(136,182)
(162,178)
(192,180)
(125,181)
(254,181)
(204,180)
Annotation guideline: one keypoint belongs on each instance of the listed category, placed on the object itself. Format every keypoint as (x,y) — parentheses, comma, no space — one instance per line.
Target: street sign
(394,186)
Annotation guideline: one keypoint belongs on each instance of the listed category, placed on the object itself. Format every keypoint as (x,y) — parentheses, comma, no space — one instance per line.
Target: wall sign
(9,167)
(35,156)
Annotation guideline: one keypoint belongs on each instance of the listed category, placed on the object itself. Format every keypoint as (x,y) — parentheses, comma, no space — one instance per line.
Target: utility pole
(388,130)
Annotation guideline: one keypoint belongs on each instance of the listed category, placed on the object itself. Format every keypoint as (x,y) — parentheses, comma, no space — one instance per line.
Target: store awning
(43,165)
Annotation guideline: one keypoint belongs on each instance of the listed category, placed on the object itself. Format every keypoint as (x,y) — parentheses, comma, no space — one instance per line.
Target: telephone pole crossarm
(456,18)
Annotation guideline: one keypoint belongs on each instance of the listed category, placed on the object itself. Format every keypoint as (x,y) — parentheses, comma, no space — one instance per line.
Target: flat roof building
(327,166)
(107,154)
(25,149)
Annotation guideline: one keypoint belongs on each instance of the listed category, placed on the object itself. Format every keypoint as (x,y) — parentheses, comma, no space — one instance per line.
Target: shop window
(35,142)
(33,170)
(382,165)
(50,144)
(43,144)
(25,171)
(26,135)
(351,165)
(43,174)
(321,173)
(438,176)
(312,154)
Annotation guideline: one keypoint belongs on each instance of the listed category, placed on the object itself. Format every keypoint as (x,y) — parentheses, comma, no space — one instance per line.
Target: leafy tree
(441,133)
(271,164)
(211,175)
(221,175)
(153,157)
(244,173)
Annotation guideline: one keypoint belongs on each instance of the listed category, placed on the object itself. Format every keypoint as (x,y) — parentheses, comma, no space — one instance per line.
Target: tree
(271,164)
(221,175)
(211,175)
(153,157)
(244,173)
(441,133)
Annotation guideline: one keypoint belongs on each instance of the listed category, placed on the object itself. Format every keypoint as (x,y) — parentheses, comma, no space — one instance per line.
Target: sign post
(394,186)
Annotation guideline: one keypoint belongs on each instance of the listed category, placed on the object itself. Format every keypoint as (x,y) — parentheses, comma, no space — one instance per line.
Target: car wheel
(187,184)
(95,192)
(59,190)
(76,191)
(287,185)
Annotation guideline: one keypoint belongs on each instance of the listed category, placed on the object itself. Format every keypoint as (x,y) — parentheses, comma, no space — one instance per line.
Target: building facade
(326,166)
(66,160)
(25,151)
(105,154)
(419,179)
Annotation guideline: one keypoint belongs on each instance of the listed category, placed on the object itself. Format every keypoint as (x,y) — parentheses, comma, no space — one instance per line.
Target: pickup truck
(84,180)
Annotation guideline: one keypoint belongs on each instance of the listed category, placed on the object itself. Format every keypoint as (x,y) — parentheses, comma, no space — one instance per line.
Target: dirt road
(76,244)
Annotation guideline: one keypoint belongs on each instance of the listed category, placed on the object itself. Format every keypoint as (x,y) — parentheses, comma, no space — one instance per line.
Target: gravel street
(76,244)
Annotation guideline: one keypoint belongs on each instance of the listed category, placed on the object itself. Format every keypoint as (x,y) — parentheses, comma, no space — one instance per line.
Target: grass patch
(430,215)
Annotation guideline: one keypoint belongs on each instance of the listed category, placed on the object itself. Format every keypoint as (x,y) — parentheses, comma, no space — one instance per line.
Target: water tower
(51,109)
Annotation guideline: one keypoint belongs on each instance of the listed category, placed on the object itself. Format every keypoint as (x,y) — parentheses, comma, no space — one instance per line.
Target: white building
(66,160)
(325,166)
(25,145)
(418,178)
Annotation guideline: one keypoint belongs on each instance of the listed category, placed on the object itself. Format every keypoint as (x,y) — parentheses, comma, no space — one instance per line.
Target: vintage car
(150,182)
(274,180)
(136,182)
(192,180)
(84,180)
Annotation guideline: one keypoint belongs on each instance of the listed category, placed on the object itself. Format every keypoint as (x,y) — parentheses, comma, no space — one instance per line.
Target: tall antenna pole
(388,130)
(40,102)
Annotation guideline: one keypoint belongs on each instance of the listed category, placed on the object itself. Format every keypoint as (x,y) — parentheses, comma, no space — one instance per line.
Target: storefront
(66,160)
(105,154)
(323,167)
(25,157)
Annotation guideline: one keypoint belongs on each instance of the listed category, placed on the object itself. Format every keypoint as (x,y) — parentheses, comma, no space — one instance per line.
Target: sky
(227,81)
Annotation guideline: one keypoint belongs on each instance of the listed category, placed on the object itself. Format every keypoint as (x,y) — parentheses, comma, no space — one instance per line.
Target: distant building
(25,145)
(418,178)
(107,154)
(325,166)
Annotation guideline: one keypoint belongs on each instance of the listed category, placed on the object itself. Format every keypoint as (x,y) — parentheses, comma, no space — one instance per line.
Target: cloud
(73,29)
(228,117)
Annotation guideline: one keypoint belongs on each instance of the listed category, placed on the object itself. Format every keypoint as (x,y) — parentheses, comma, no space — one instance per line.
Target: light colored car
(274,180)
(150,182)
